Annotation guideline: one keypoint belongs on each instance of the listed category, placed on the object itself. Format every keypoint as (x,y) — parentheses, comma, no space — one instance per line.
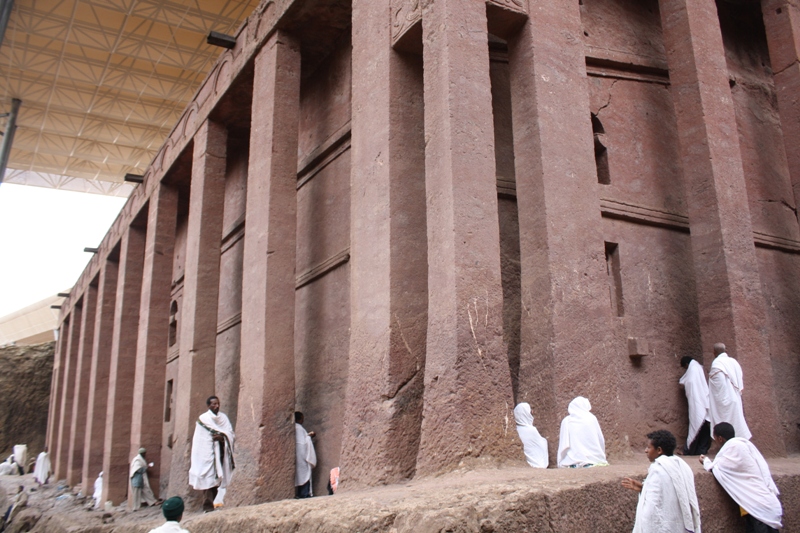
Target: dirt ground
(480,500)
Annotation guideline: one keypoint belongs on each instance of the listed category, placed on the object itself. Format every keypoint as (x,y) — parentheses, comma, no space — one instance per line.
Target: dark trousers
(208,503)
(754,525)
(701,443)
(303,491)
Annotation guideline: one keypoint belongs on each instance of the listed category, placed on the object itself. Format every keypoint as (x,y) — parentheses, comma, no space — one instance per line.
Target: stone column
(94,436)
(67,393)
(726,269)
(54,413)
(198,341)
(782,23)
(265,431)
(122,365)
(153,335)
(468,396)
(84,365)
(388,264)
(566,319)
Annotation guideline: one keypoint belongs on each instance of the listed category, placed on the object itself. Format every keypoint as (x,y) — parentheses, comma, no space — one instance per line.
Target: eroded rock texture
(25,373)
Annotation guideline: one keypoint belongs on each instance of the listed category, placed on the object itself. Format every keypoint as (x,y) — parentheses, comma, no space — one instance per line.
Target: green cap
(172,508)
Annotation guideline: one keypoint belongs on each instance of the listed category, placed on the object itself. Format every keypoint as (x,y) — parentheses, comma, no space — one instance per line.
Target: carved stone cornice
(520,6)
(405,13)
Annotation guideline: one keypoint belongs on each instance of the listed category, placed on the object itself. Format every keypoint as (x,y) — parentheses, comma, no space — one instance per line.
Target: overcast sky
(42,236)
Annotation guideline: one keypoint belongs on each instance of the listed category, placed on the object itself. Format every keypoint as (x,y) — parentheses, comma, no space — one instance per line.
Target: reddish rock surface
(403,217)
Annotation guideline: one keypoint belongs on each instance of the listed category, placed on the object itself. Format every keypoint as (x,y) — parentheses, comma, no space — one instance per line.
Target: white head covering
(581,442)
(533,444)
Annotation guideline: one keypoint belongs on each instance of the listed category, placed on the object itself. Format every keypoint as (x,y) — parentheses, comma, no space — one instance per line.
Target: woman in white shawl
(694,383)
(41,472)
(533,444)
(668,499)
(581,442)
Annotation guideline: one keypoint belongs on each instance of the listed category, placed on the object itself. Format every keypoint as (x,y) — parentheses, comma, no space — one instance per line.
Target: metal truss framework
(103,82)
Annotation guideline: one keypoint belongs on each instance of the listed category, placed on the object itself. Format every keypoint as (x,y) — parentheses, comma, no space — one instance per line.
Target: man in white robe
(744,474)
(694,383)
(140,484)
(725,386)
(667,499)
(533,444)
(212,455)
(305,460)
(41,472)
(581,442)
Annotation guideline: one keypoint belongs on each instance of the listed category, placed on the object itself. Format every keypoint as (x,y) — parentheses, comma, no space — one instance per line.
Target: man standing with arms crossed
(212,455)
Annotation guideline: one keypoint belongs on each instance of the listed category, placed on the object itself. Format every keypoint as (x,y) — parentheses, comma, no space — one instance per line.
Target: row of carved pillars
(467,393)
(108,382)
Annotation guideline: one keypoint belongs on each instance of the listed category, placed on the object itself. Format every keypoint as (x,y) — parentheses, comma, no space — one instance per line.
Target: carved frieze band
(327,152)
(616,209)
(648,215)
(225,325)
(765,240)
(233,234)
(405,13)
(520,6)
(323,268)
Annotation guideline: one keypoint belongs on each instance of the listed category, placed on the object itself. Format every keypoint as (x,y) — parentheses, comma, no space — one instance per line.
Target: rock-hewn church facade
(402,217)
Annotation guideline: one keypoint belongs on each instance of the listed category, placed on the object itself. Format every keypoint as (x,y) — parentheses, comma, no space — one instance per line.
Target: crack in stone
(608,102)
(784,202)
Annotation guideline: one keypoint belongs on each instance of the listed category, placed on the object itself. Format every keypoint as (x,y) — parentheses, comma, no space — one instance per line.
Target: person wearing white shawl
(725,386)
(667,499)
(98,490)
(533,444)
(9,467)
(21,457)
(305,460)
(694,383)
(212,455)
(140,484)
(581,441)
(744,474)
(41,472)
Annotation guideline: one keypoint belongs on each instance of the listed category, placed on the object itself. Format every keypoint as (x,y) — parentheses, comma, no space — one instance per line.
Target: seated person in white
(581,441)
(533,444)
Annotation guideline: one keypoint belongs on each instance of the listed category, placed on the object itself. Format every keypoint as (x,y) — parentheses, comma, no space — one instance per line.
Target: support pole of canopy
(8,135)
